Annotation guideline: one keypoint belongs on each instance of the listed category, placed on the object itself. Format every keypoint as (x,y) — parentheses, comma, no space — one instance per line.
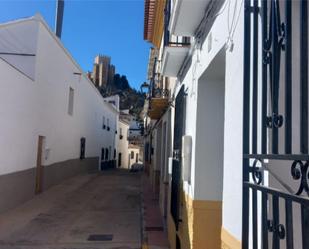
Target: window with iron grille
(71,101)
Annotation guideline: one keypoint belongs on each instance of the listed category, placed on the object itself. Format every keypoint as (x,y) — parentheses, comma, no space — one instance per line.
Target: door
(164,170)
(82,148)
(39,166)
(176,169)
(119,159)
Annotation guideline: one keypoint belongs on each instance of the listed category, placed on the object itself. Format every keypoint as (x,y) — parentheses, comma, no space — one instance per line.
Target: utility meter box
(186,157)
(170,165)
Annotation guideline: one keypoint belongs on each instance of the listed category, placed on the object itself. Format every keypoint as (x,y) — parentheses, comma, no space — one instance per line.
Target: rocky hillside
(129,97)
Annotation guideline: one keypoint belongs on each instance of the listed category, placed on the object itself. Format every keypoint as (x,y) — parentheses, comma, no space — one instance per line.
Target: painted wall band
(228,241)
(19,187)
(201,224)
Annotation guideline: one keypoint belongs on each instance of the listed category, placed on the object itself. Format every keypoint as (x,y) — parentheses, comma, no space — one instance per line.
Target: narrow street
(96,211)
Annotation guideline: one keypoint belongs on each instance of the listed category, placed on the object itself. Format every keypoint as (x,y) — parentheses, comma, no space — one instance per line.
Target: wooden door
(119,159)
(39,166)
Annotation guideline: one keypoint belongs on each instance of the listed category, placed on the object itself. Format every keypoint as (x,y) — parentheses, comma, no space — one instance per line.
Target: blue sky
(111,27)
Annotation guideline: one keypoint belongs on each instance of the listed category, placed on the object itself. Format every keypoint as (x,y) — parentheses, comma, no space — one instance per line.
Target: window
(103,125)
(108,125)
(115,153)
(120,133)
(136,159)
(71,101)
(132,154)
(102,154)
(106,154)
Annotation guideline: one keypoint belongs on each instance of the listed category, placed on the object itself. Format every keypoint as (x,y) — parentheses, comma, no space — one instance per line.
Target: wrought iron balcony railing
(160,93)
(172,40)
(274,91)
(155,91)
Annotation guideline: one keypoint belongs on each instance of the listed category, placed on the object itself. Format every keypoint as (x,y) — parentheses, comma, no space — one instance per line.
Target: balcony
(186,16)
(158,102)
(176,48)
(173,56)
(158,93)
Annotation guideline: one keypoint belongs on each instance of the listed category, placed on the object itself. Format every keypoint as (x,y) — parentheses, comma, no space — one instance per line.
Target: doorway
(179,129)
(178,244)
(39,166)
(164,171)
(209,142)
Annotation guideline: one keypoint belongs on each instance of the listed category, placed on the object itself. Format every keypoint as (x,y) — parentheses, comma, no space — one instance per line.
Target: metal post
(59,17)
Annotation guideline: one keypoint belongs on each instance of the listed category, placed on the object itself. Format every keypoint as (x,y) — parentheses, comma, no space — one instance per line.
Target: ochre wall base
(228,240)
(200,227)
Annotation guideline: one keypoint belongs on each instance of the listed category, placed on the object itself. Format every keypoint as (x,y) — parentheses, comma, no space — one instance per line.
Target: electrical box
(186,158)
(170,165)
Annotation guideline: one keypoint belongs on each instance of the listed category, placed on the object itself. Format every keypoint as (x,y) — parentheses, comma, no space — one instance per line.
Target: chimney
(59,17)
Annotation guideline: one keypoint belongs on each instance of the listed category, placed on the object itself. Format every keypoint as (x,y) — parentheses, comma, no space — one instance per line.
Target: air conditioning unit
(186,158)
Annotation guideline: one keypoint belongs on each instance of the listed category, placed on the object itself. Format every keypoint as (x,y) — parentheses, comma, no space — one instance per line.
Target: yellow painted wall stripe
(229,241)
(201,224)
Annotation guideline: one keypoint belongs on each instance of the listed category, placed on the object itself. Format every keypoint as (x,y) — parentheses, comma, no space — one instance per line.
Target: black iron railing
(160,93)
(169,40)
(272,136)
(154,90)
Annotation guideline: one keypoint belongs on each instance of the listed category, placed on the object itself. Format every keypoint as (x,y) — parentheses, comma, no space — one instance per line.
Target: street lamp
(145,87)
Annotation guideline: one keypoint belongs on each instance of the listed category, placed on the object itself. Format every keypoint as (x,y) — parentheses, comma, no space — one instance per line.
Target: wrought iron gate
(275,124)
(176,171)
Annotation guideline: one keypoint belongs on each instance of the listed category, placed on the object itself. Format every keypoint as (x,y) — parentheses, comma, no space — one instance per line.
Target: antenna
(59,17)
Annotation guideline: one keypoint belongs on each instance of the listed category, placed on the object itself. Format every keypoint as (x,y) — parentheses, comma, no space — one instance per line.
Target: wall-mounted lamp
(145,87)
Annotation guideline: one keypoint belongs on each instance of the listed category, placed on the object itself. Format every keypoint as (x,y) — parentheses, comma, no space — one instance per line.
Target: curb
(144,238)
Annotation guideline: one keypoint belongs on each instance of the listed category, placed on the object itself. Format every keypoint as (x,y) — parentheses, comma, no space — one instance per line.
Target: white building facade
(236,163)
(123,144)
(51,114)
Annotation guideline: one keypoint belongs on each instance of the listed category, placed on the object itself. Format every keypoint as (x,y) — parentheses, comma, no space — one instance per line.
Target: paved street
(89,207)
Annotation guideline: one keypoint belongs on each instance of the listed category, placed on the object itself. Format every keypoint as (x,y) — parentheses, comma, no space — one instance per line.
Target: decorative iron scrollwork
(282,36)
(160,93)
(274,121)
(176,155)
(279,229)
(299,170)
(267,57)
(257,172)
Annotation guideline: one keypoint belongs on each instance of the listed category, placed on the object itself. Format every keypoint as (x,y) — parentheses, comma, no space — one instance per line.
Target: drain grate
(149,229)
(100,237)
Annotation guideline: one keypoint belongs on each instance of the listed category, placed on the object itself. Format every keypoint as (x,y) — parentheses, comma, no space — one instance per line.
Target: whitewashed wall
(29,108)
(230,178)
(123,144)
(133,160)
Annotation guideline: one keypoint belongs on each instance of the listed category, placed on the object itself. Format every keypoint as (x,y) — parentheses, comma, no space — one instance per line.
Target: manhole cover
(154,229)
(100,237)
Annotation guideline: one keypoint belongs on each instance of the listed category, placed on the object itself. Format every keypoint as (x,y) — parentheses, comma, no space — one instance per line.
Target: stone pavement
(104,206)
(154,231)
